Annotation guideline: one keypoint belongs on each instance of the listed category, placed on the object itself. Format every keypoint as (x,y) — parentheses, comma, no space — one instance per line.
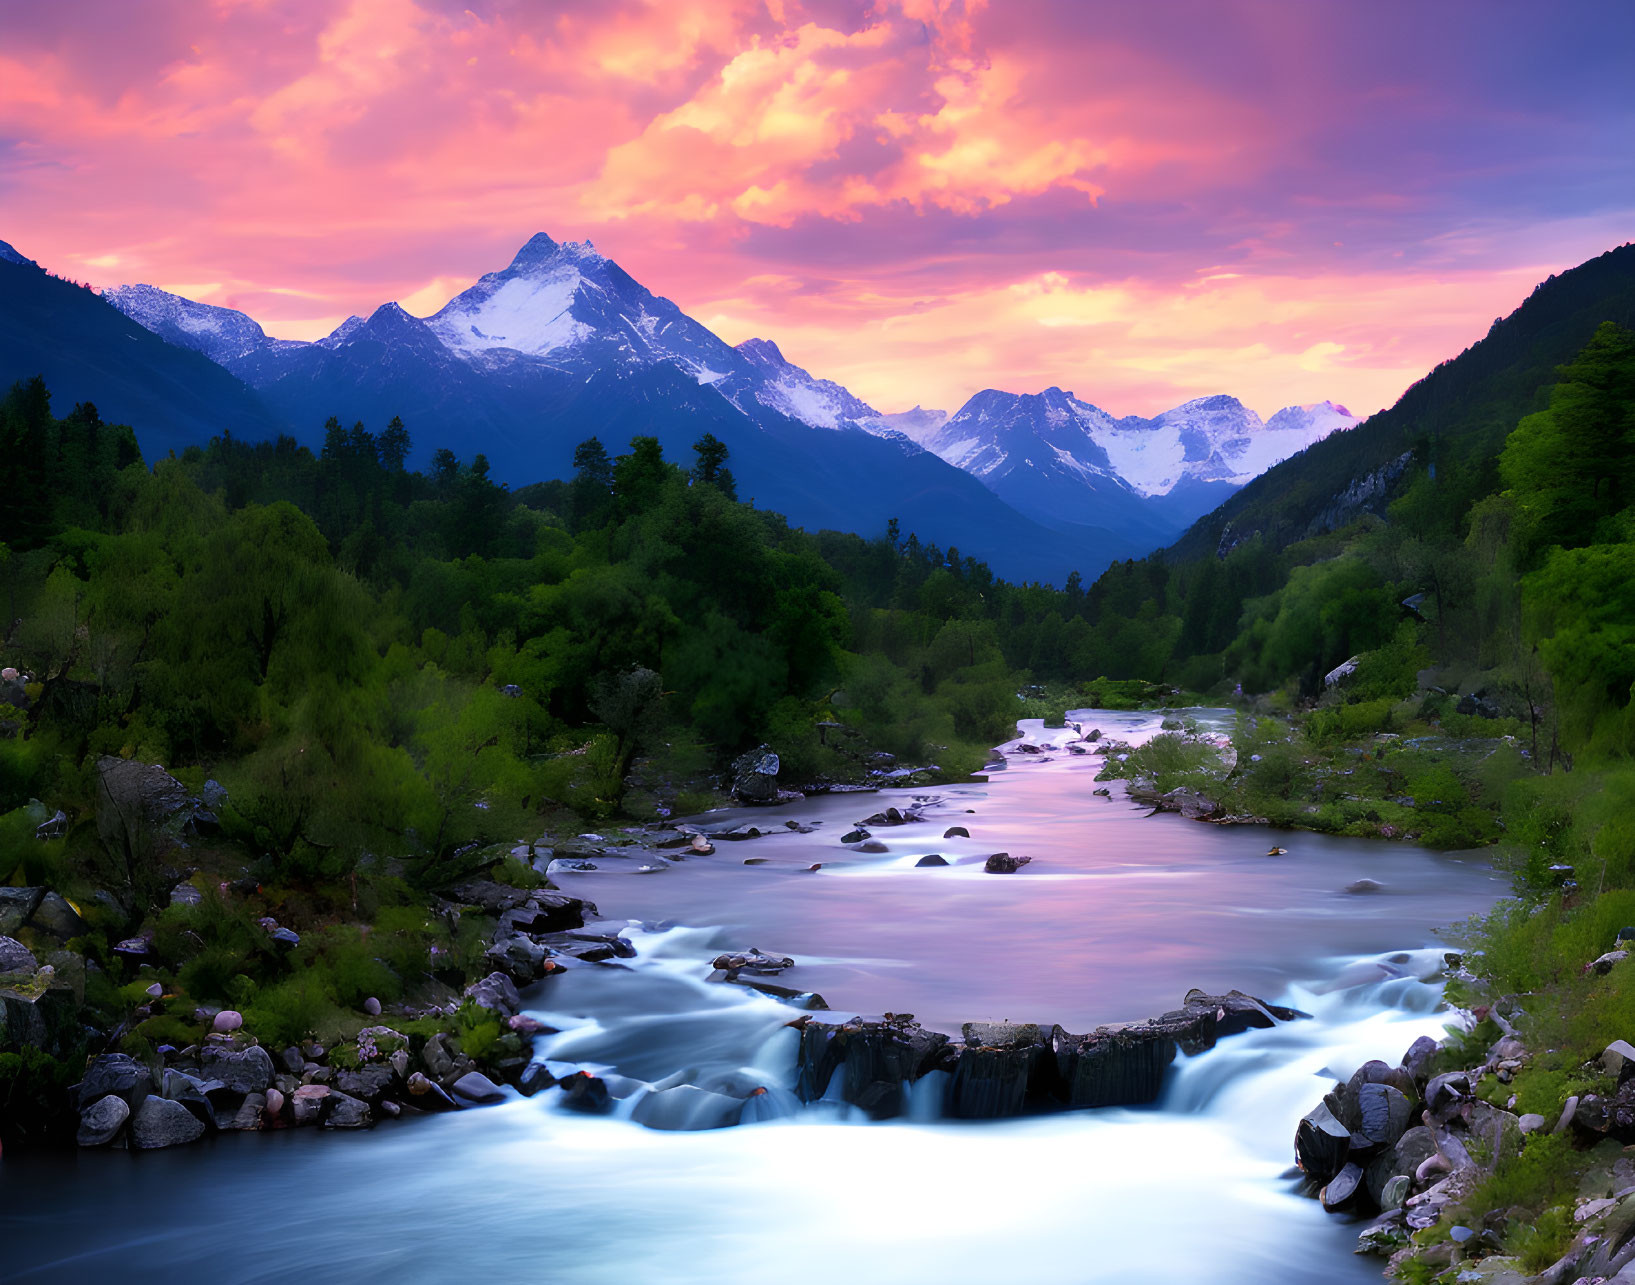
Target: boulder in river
(585,1092)
(956,832)
(474,1086)
(159,1122)
(101,1122)
(1321,1143)
(932,859)
(346,1112)
(1002,863)
(753,960)
(1005,1068)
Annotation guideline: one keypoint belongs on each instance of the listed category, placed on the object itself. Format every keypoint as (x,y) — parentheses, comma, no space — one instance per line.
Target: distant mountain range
(562,344)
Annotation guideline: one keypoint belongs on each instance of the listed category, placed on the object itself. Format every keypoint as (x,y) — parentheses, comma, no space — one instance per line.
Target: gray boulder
(346,1112)
(753,960)
(1002,863)
(55,916)
(247,1071)
(118,1074)
(101,1122)
(16,905)
(497,993)
(369,1083)
(16,957)
(159,1122)
(474,1086)
(755,775)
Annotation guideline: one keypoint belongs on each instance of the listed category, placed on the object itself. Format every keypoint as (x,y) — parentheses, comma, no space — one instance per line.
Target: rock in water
(1342,1189)
(102,1120)
(1002,863)
(956,832)
(752,960)
(582,1091)
(1321,1143)
(346,1112)
(931,859)
(159,1122)
(536,1077)
(1385,1111)
(474,1086)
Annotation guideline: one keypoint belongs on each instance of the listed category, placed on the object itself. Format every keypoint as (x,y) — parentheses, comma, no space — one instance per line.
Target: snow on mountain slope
(10,255)
(224,335)
(528,307)
(788,389)
(918,425)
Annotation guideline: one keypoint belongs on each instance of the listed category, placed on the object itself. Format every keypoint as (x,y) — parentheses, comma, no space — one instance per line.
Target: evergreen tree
(711,466)
(591,491)
(394,446)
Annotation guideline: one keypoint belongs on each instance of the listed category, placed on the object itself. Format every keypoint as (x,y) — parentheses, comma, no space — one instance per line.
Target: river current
(1116,917)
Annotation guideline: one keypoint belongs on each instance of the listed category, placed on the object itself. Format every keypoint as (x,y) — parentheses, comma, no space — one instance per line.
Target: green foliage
(1544,1168)
(1537,1243)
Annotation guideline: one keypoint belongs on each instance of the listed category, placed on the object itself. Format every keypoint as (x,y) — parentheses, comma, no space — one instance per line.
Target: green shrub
(1541,1241)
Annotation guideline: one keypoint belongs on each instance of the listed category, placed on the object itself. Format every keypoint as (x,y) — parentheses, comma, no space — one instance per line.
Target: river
(1116,917)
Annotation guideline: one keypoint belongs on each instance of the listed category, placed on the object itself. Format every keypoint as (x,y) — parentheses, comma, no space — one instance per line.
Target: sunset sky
(1138,202)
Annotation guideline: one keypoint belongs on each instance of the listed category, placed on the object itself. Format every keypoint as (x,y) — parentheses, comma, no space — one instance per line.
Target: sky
(1141,203)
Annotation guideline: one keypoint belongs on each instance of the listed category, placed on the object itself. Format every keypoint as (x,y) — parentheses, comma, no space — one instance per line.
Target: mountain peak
(538,249)
(763,352)
(10,255)
(541,251)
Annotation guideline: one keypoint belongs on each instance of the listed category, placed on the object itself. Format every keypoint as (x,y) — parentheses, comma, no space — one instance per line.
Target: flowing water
(1117,916)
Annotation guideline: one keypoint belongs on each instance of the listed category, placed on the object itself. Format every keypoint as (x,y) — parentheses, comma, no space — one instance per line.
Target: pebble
(371,1006)
(227,1020)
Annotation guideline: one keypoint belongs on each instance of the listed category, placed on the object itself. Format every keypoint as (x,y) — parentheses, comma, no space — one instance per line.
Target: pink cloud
(918,197)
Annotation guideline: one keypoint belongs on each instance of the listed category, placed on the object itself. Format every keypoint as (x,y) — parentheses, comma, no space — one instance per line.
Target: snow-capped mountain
(224,335)
(1053,454)
(562,343)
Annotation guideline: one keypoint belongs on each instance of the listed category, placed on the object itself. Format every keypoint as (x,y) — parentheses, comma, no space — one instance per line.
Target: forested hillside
(1454,419)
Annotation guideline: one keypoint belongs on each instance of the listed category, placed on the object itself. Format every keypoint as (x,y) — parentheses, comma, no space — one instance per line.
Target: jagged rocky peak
(10,255)
(342,333)
(224,335)
(763,352)
(540,251)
